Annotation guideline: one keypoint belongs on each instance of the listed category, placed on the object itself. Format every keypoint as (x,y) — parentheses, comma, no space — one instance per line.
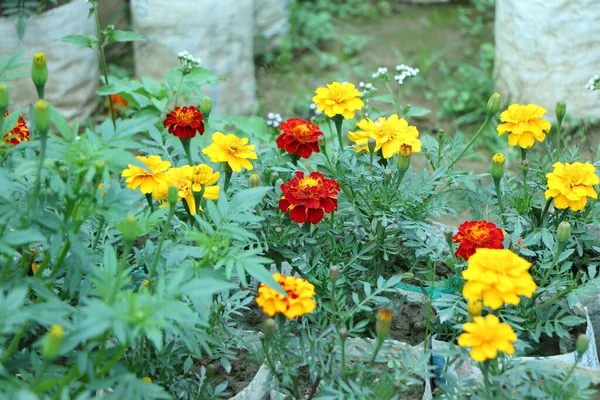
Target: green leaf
(124,36)
(261,274)
(417,112)
(19,238)
(385,98)
(251,126)
(80,40)
(248,198)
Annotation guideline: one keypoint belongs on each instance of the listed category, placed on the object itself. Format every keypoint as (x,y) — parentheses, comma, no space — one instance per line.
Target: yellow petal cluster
(497,276)
(147,179)
(524,124)
(486,336)
(338,99)
(571,184)
(389,133)
(298,302)
(231,149)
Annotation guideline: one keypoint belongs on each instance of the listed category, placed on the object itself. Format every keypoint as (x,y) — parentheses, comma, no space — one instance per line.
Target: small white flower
(361,84)
(593,83)
(313,106)
(404,71)
(270,115)
(381,71)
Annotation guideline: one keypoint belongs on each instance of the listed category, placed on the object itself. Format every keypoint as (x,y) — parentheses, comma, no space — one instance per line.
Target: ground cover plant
(168,252)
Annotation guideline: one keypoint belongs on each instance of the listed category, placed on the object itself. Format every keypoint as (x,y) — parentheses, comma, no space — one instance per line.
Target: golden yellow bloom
(498,158)
(182,178)
(486,336)
(525,125)
(572,184)
(297,303)
(474,307)
(231,149)
(497,276)
(338,99)
(390,134)
(203,176)
(146,179)
(56,331)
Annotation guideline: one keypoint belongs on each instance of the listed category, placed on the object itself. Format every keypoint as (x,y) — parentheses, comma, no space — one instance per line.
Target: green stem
(545,211)
(150,202)
(376,351)
(339,121)
(344,359)
(572,369)
(500,201)
(268,358)
(558,131)
(14,343)
(429,307)
(186,147)
(38,177)
(468,146)
(559,250)
(162,239)
(333,306)
(228,173)
(111,106)
(113,361)
(98,232)
(40,91)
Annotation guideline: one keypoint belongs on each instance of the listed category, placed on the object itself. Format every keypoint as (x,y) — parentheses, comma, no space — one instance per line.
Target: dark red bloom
(473,235)
(184,122)
(19,133)
(308,198)
(299,137)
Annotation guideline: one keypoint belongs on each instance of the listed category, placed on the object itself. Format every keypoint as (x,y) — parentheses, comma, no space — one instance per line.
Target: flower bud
(41,116)
(371,144)
(405,150)
(63,173)
(563,232)
(173,195)
(387,174)
(147,379)
(582,343)
(145,283)
(4,99)
(334,273)
(129,228)
(322,141)
(274,177)
(498,167)
(53,342)
(39,73)
(384,323)
(560,110)
(269,327)
(206,106)
(254,181)
(403,162)
(525,166)
(343,334)
(474,308)
(494,103)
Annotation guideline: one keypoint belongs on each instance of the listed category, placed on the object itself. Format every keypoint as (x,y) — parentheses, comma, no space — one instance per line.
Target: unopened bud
(560,110)
(405,150)
(387,174)
(99,164)
(563,232)
(41,116)
(254,181)
(63,173)
(53,342)
(322,141)
(474,308)
(145,283)
(39,73)
(147,379)
(334,273)
(498,167)
(403,163)
(206,106)
(129,228)
(173,195)
(274,177)
(582,344)
(371,144)
(269,327)
(494,103)
(4,99)
(343,334)
(525,166)
(384,323)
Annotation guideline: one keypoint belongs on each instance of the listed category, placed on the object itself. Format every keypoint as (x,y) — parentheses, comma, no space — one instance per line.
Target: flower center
(574,177)
(338,94)
(301,131)
(478,235)
(308,182)
(185,116)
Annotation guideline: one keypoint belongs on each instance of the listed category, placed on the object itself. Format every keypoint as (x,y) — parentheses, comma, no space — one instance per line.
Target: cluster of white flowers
(366,87)
(274,120)
(593,83)
(188,61)
(381,71)
(404,71)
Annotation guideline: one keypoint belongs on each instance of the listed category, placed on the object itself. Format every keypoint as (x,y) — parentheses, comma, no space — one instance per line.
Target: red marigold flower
(308,198)
(19,133)
(299,137)
(183,122)
(473,235)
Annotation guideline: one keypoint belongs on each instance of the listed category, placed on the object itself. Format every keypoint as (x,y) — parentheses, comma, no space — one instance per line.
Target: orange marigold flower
(19,133)
(525,125)
(473,235)
(184,122)
(119,103)
(308,198)
(299,137)
(298,302)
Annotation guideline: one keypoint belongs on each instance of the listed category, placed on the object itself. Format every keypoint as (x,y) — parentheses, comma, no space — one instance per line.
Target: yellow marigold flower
(146,179)
(474,307)
(486,336)
(182,178)
(297,303)
(203,176)
(390,134)
(231,149)
(497,276)
(525,125)
(498,158)
(338,99)
(572,184)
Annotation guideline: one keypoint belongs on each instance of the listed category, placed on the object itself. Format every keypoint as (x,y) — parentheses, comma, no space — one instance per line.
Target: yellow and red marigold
(19,133)
(299,137)
(309,198)
(298,302)
(473,235)
(184,122)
